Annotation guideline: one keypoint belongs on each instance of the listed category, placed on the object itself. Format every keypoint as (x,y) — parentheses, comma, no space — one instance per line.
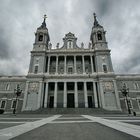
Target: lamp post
(125,92)
(17,92)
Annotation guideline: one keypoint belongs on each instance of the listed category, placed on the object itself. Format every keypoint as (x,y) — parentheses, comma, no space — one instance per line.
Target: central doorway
(70,100)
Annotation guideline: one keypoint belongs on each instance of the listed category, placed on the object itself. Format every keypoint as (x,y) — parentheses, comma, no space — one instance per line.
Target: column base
(76,105)
(64,105)
(96,105)
(55,105)
(86,105)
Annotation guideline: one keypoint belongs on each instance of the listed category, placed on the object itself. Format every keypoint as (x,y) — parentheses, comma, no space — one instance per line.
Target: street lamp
(125,92)
(17,92)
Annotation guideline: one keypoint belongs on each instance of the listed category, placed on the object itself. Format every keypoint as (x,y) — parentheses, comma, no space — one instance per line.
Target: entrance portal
(70,100)
(51,103)
(90,103)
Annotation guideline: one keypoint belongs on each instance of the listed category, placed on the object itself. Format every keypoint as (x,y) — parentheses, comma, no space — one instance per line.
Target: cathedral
(70,76)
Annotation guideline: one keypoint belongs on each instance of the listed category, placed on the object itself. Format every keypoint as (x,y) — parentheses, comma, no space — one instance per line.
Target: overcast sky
(20,18)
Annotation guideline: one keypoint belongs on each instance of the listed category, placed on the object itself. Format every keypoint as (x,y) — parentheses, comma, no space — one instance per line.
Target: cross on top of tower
(96,24)
(94,14)
(44,22)
(45,16)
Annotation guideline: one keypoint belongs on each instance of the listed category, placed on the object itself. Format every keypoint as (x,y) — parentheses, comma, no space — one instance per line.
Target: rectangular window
(14,104)
(80,86)
(60,87)
(36,69)
(3,104)
(105,68)
(70,70)
(87,70)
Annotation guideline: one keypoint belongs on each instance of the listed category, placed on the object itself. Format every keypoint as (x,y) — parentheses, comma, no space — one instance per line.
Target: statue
(50,45)
(89,45)
(82,45)
(57,46)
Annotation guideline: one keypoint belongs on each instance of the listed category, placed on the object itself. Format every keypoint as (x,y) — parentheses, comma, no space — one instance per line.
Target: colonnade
(65,92)
(74,60)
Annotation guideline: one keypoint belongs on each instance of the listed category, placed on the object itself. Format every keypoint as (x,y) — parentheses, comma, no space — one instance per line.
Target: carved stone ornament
(33,87)
(108,86)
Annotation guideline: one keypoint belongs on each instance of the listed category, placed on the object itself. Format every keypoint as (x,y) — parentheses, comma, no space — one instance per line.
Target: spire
(96,24)
(44,22)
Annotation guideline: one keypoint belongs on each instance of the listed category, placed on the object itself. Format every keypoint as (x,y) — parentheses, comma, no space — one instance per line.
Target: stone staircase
(71,111)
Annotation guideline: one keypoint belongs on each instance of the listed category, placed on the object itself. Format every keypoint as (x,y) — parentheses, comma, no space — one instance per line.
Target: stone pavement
(69,127)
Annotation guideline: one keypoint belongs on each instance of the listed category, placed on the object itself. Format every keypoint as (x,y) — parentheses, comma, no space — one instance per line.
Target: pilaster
(117,95)
(102,94)
(25,96)
(39,94)
(46,95)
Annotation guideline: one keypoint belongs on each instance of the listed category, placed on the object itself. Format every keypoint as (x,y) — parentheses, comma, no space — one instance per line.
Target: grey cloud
(4,46)
(21,18)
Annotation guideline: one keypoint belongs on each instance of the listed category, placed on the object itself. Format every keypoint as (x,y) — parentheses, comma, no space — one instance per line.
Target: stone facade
(70,76)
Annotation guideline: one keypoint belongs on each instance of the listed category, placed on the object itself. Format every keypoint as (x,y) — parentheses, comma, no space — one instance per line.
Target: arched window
(99,36)
(3,104)
(40,38)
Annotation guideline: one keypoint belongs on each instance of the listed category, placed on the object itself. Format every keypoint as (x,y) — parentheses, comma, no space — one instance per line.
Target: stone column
(55,95)
(85,95)
(56,65)
(117,95)
(65,95)
(48,70)
(25,96)
(102,94)
(76,95)
(65,65)
(39,94)
(91,60)
(83,60)
(75,71)
(95,95)
(46,95)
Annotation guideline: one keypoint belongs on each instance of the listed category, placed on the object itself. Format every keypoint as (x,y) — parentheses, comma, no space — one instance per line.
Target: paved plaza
(69,127)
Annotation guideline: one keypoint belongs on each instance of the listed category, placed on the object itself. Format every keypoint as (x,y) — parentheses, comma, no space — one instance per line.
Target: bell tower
(102,53)
(42,37)
(40,46)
